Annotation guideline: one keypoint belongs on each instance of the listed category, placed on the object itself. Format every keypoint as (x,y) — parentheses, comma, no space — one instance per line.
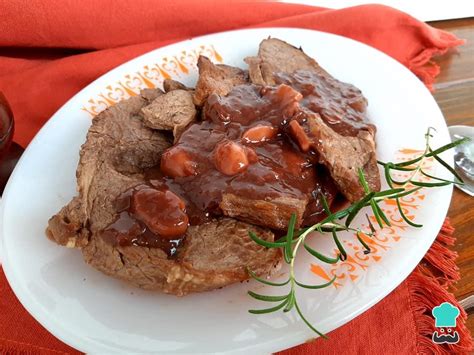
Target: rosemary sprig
(334,223)
(417,170)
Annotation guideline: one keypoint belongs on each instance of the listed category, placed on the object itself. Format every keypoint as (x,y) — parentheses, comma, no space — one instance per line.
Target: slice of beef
(215,254)
(170,85)
(344,156)
(216,78)
(151,94)
(341,105)
(256,72)
(277,56)
(340,122)
(118,150)
(172,111)
(273,213)
(67,226)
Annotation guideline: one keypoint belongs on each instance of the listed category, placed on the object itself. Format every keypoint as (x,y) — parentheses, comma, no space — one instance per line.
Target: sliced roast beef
(118,148)
(276,56)
(341,105)
(170,85)
(118,152)
(161,216)
(151,94)
(273,212)
(344,156)
(214,255)
(340,120)
(237,161)
(172,111)
(216,78)
(67,226)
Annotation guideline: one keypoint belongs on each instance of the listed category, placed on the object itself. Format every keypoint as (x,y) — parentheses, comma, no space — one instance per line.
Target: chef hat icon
(445,315)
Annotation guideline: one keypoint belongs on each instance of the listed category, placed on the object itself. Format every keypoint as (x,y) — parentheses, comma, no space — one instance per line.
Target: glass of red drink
(6,134)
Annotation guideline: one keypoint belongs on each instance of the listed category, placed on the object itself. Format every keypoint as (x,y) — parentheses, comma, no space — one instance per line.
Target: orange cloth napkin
(50,50)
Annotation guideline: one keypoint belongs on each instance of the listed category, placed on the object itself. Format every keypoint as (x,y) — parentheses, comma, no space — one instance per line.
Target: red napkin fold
(50,50)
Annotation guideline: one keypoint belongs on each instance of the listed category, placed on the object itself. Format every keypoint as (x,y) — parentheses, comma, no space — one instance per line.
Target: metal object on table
(464,157)
(468,304)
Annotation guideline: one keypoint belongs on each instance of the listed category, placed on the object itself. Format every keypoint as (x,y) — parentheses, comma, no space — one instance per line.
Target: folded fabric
(50,50)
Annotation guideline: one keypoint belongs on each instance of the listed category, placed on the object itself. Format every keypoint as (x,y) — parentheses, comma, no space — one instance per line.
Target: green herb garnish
(294,239)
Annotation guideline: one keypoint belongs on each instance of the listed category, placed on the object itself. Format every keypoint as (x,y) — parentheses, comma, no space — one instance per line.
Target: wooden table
(454,92)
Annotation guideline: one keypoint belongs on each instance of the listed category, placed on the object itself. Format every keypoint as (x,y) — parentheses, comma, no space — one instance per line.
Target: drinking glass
(6,134)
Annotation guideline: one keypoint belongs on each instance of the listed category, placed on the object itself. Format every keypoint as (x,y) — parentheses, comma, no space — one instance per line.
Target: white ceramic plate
(94,313)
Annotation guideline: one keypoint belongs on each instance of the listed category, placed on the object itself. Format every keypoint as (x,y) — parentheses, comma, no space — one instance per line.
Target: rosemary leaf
(394,167)
(376,213)
(314,287)
(343,255)
(448,167)
(430,184)
(331,227)
(405,218)
(388,176)
(308,323)
(364,244)
(440,179)
(382,214)
(363,181)
(400,183)
(358,206)
(405,193)
(265,243)
(340,214)
(389,192)
(288,251)
(267,298)
(371,226)
(325,204)
(266,282)
(407,163)
(291,302)
(283,239)
(320,256)
(447,147)
(269,310)
(296,234)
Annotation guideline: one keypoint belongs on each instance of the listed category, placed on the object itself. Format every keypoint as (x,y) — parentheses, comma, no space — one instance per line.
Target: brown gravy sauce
(342,106)
(129,230)
(242,146)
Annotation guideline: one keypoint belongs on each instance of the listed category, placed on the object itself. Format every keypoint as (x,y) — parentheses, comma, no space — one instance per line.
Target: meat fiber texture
(216,79)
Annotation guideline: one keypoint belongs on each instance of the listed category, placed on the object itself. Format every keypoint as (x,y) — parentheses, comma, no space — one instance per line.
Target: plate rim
(66,336)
